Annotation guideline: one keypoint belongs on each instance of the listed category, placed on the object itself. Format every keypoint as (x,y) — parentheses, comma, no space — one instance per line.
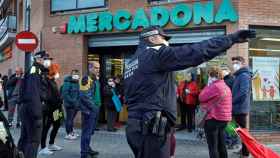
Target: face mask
(56,76)
(47,63)
(75,77)
(236,67)
(166,43)
(211,80)
(111,84)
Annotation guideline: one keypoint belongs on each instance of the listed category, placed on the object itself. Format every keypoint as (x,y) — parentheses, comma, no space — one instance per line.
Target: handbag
(202,113)
(116,101)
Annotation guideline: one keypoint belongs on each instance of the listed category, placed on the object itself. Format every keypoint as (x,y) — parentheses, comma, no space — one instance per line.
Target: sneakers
(70,137)
(53,147)
(45,151)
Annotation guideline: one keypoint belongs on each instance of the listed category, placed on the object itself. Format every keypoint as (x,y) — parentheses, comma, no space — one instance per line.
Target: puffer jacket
(218,98)
(70,93)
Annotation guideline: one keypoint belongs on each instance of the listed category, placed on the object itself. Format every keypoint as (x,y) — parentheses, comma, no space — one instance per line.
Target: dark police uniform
(150,87)
(32,94)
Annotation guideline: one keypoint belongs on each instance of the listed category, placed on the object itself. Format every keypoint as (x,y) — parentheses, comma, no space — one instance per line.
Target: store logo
(180,15)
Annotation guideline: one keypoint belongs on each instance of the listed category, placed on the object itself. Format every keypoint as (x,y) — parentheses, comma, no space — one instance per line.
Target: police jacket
(149,78)
(34,90)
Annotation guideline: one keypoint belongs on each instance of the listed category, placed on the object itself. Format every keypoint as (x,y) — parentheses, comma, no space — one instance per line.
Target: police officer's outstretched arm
(188,55)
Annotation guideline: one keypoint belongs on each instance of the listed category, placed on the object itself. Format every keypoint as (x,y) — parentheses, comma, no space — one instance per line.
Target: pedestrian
(150,86)
(1,93)
(241,93)
(33,95)
(13,87)
(216,99)
(188,93)
(70,95)
(95,76)
(109,104)
(52,113)
(4,86)
(89,111)
(228,77)
(120,91)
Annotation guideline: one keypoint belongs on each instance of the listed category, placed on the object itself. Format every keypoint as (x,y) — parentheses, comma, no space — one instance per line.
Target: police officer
(32,94)
(150,86)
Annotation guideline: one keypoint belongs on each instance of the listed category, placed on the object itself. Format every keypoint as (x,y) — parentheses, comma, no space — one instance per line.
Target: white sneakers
(54,147)
(45,151)
(71,136)
(48,151)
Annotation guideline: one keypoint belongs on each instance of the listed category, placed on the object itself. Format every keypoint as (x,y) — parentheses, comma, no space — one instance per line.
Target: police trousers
(30,135)
(146,146)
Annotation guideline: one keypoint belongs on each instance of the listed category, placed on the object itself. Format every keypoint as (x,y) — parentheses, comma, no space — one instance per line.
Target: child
(89,111)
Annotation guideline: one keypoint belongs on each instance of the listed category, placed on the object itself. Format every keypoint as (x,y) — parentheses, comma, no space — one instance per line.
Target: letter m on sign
(76,25)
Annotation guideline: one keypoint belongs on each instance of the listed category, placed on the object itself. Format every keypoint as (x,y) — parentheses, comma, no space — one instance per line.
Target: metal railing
(7,25)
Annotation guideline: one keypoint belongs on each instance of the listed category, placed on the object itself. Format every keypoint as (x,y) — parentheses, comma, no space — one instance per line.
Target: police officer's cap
(42,54)
(154,30)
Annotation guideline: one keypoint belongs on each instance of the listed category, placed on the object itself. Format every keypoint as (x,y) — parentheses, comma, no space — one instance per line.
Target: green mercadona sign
(180,16)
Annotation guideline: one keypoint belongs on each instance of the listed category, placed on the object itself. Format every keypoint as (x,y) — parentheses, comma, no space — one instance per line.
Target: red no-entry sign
(26,41)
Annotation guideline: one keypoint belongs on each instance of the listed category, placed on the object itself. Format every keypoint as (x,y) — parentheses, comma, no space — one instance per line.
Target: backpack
(8,148)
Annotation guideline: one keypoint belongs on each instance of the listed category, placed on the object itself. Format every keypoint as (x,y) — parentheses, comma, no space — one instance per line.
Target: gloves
(242,36)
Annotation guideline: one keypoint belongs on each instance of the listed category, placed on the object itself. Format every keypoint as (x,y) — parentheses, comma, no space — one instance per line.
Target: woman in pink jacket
(216,98)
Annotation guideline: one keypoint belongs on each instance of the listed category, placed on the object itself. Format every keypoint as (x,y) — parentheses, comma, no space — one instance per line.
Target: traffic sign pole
(27,58)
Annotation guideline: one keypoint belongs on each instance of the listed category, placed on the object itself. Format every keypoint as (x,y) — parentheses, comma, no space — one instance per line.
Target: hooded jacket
(70,93)
(149,75)
(241,91)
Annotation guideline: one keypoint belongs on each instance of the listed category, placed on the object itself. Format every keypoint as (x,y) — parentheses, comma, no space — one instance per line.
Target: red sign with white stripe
(26,41)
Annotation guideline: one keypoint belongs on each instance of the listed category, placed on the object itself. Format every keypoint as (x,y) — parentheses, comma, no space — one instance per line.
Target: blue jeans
(69,122)
(88,126)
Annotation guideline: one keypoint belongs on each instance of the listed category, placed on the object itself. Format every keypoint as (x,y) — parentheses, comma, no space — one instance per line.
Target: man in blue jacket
(241,95)
(150,86)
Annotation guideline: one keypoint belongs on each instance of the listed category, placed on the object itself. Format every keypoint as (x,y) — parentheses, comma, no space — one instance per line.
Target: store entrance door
(112,61)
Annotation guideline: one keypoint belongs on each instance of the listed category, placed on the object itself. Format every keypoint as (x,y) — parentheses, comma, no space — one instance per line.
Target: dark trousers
(214,131)
(30,137)
(13,107)
(70,116)
(47,123)
(88,126)
(146,146)
(241,120)
(111,118)
(187,111)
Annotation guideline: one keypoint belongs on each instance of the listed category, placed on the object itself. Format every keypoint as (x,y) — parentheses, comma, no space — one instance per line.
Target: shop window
(264,60)
(68,5)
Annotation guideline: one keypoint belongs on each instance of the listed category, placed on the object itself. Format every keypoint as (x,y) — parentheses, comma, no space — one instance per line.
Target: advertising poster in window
(265,82)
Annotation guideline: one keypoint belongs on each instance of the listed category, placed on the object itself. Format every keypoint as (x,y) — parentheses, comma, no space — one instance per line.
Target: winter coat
(70,93)
(86,96)
(149,76)
(218,98)
(13,86)
(229,80)
(54,100)
(191,99)
(241,91)
(108,94)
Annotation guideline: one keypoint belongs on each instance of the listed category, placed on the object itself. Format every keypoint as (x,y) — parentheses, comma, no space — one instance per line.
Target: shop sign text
(180,16)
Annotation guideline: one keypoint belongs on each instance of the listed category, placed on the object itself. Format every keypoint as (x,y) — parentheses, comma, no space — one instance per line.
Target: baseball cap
(154,30)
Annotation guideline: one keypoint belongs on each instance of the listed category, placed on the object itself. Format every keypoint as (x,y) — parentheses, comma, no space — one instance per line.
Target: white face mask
(111,84)
(75,77)
(56,76)
(47,63)
(236,67)
(211,80)
(166,43)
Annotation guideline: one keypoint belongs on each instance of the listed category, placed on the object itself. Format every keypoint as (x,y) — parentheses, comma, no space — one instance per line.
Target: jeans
(215,132)
(88,124)
(241,120)
(69,123)
(13,107)
(111,118)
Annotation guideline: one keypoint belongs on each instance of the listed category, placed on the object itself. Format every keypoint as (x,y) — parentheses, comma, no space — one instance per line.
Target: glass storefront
(264,59)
